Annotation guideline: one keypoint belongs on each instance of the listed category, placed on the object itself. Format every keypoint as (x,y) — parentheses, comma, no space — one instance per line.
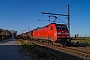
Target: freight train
(57,33)
(5,34)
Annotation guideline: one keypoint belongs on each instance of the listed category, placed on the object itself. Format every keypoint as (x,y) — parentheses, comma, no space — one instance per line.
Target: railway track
(77,52)
(80,52)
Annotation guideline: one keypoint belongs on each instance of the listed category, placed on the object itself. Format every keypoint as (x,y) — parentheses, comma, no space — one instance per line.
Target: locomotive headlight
(59,32)
(67,36)
(66,33)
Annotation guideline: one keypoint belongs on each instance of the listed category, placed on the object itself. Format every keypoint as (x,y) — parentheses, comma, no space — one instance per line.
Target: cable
(77,8)
(63,7)
(59,7)
(80,7)
(71,25)
(74,28)
(74,2)
(62,21)
(80,13)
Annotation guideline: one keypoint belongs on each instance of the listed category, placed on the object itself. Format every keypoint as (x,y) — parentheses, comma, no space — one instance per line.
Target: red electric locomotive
(53,32)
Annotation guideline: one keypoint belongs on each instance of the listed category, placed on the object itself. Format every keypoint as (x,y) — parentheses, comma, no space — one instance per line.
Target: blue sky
(20,15)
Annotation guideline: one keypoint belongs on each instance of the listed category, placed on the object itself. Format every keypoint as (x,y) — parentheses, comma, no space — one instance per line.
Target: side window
(51,28)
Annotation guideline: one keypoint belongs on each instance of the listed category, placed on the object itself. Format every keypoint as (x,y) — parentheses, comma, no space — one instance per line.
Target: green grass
(85,40)
(43,53)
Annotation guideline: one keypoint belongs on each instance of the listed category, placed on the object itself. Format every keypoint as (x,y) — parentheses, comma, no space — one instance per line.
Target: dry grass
(82,40)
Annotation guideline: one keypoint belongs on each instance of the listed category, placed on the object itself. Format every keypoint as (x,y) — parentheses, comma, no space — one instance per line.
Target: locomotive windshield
(61,27)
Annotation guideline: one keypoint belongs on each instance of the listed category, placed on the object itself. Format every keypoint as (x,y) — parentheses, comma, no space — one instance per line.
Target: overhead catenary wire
(63,7)
(74,2)
(74,28)
(71,25)
(62,21)
(58,8)
(80,7)
(77,8)
(80,13)
(71,4)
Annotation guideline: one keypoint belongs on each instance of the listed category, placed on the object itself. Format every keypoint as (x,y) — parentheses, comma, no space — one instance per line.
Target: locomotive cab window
(61,27)
(64,27)
(51,28)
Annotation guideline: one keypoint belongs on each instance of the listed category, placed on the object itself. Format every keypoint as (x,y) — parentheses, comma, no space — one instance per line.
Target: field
(82,40)
(43,53)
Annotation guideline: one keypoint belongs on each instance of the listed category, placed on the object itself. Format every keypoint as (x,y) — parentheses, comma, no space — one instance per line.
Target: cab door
(50,33)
